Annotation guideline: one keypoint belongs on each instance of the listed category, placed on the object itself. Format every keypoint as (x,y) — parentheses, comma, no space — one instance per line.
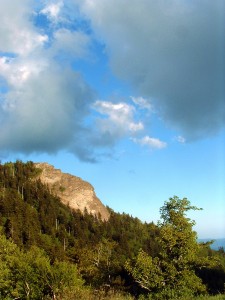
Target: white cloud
(17,33)
(118,120)
(18,70)
(134,127)
(72,43)
(142,103)
(53,10)
(180,139)
(153,143)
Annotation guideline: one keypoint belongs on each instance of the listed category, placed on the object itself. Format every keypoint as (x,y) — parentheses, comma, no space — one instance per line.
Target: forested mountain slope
(32,217)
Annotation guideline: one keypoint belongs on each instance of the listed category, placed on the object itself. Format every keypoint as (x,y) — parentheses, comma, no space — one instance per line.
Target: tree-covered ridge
(122,254)
(30,215)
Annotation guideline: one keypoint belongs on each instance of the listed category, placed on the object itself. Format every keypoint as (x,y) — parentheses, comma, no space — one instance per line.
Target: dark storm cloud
(172,52)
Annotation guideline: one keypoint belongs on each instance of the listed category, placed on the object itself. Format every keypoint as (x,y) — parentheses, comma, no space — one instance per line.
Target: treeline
(75,253)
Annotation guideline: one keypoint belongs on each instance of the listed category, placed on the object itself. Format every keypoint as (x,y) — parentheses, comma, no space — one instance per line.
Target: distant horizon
(218,243)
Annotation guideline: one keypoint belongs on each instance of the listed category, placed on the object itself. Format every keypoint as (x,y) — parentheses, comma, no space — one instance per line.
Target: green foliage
(98,264)
(45,248)
(30,275)
(173,273)
(32,216)
(146,271)
(102,294)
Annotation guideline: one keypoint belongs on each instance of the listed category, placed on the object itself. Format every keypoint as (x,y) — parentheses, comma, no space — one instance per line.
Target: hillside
(32,214)
(50,248)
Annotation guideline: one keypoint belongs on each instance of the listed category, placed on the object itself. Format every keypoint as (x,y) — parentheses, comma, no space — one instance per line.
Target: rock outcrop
(72,190)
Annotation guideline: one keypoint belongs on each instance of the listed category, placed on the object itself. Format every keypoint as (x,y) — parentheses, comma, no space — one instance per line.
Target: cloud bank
(173,52)
(43,101)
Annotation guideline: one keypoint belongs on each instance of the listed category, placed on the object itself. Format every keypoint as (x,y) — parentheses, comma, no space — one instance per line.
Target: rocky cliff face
(72,190)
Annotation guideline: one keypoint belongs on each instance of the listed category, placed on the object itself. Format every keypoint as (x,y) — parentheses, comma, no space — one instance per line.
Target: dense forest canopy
(49,251)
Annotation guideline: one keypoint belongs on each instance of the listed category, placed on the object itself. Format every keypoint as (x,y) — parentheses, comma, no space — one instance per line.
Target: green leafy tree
(62,277)
(173,271)
(7,251)
(30,275)
(98,264)
(146,271)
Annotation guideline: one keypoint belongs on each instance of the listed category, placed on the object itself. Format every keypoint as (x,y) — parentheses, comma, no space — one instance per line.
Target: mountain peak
(72,190)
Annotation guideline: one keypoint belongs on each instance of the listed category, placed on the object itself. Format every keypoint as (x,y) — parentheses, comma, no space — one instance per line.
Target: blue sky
(128,95)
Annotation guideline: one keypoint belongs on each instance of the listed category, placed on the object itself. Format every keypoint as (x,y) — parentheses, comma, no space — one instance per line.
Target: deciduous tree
(174,268)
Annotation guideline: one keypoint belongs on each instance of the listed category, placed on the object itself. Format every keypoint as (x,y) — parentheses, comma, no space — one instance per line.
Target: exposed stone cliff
(72,190)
